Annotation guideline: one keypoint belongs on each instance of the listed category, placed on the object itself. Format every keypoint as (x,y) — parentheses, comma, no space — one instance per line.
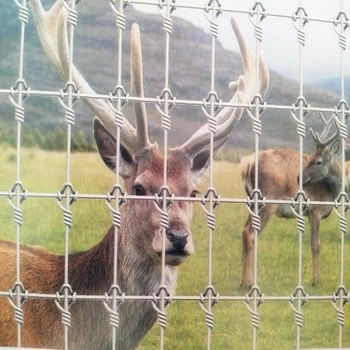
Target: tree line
(53,140)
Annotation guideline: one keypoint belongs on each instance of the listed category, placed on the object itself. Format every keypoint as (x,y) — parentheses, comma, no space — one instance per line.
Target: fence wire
(67,196)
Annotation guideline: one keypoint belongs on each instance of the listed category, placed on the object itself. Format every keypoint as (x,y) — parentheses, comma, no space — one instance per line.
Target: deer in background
(278,174)
(140,237)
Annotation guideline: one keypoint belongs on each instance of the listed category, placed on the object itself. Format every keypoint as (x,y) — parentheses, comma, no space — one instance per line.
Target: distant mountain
(190,75)
(334,84)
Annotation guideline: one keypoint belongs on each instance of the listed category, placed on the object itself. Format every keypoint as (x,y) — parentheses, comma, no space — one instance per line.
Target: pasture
(44,172)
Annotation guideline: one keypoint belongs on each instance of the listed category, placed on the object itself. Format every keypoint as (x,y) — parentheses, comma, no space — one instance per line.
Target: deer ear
(335,147)
(200,161)
(106,144)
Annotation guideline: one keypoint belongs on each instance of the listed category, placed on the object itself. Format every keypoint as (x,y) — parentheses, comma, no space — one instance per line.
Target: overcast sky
(321,55)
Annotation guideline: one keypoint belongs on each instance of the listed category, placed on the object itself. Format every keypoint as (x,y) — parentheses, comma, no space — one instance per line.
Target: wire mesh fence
(72,300)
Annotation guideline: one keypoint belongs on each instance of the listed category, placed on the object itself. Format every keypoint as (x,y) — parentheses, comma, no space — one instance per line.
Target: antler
(52,30)
(327,127)
(245,89)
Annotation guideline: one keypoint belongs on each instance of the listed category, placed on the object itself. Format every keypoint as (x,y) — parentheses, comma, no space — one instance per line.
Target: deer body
(148,252)
(278,173)
(90,272)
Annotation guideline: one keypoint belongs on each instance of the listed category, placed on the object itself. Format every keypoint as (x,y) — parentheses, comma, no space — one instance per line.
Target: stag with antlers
(140,249)
(278,173)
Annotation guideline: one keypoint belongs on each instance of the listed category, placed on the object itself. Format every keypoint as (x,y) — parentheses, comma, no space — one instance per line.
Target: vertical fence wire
(300,19)
(341,23)
(256,16)
(17,189)
(212,11)
(69,118)
(117,192)
(165,9)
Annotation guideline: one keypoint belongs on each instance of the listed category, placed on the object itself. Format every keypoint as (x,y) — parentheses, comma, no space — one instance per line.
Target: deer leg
(248,240)
(315,248)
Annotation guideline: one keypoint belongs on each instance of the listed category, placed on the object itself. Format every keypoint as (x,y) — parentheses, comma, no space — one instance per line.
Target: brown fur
(278,179)
(139,268)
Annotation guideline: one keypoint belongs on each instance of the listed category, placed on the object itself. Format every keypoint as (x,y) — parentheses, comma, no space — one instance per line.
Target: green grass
(278,256)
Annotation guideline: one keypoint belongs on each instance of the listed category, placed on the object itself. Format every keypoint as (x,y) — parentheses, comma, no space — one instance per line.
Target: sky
(321,56)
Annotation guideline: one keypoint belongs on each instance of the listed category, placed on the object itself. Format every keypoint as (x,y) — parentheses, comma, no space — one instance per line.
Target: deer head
(320,166)
(140,165)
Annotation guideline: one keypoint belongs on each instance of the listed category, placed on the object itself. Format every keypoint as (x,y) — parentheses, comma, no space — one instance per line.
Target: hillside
(190,64)
(334,84)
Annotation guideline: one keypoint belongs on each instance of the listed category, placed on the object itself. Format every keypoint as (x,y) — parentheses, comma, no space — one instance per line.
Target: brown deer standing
(278,173)
(139,246)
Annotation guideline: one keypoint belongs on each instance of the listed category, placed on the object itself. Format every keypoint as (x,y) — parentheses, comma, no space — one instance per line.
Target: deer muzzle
(179,246)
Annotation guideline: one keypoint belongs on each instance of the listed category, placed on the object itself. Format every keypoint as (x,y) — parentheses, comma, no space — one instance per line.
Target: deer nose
(178,239)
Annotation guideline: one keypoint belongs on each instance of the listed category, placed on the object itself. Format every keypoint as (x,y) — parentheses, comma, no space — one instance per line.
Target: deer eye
(194,193)
(318,162)
(139,190)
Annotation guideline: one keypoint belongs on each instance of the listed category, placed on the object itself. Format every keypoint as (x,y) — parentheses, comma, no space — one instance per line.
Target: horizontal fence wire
(209,297)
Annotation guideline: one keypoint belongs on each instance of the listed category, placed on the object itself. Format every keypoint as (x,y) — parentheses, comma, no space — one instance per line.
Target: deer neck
(91,272)
(333,180)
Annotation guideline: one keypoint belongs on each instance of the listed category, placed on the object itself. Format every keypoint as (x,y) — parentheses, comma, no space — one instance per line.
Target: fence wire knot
(300,202)
(342,201)
(342,107)
(213,6)
(343,297)
(164,296)
(164,194)
(116,193)
(72,14)
(17,190)
(257,297)
(342,128)
(64,293)
(170,7)
(120,19)
(259,106)
(69,112)
(164,218)
(67,192)
(167,99)
(301,297)
(300,104)
(343,21)
(119,196)
(22,91)
(257,10)
(214,199)
(23,12)
(211,101)
(255,199)
(122,97)
(114,293)
(300,15)
(212,297)
(18,291)
(256,196)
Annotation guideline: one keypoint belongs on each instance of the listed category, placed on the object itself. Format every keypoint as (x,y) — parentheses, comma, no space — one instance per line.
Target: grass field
(45,172)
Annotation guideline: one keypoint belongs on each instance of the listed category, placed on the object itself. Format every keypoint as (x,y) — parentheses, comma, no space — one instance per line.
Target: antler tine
(327,127)
(52,31)
(245,89)
(137,86)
